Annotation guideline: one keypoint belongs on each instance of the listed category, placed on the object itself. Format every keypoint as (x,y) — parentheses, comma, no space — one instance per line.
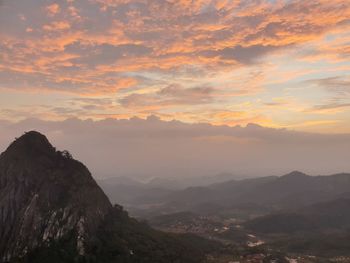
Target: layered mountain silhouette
(290,191)
(52,209)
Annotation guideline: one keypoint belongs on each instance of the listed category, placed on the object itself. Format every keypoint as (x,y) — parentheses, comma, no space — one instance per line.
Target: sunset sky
(276,63)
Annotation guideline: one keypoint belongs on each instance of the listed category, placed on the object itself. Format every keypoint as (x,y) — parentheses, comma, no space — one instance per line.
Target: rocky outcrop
(45,196)
(52,210)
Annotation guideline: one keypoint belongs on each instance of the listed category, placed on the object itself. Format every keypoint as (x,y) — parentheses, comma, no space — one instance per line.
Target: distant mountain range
(51,210)
(260,195)
(136,193)
(291,190)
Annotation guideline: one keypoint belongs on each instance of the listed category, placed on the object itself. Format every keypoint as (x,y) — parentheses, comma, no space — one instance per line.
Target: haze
(155,148)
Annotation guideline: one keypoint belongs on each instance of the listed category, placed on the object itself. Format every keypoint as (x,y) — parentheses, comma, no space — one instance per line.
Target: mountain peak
(34,137)
(30,143)
(45,196)
(295,174)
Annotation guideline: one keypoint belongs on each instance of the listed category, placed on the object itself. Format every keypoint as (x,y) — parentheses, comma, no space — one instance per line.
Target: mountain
(295,189)
(332,215)
(186,181)
(45,195)
(52,209)
(272,193)
(165,183)
(131,193)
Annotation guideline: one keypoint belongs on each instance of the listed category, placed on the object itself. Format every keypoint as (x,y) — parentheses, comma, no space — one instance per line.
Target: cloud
(244,55)
(53,9)
(338,85)
(57,26)
(78,85)
(171,95)
(131,49)
(330,108)
(152,147)
(93,55)
(223,32)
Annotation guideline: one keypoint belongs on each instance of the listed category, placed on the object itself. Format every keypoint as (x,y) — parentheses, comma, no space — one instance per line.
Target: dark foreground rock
(52,209)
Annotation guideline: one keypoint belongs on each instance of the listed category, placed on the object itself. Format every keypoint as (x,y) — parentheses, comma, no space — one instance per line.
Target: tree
(67,154)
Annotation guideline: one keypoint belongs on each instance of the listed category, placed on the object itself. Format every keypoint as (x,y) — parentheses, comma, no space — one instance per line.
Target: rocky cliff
(45,195)
(52,209)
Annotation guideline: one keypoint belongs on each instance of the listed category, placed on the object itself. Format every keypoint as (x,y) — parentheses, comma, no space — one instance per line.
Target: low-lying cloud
(152,147)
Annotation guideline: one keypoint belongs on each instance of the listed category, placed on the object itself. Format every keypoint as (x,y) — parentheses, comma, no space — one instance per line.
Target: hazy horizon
(145,148)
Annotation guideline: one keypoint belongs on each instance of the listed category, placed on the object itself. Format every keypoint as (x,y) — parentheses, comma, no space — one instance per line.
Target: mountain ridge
(289,191)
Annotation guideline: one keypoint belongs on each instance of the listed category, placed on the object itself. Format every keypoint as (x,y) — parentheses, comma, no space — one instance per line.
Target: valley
(290,218)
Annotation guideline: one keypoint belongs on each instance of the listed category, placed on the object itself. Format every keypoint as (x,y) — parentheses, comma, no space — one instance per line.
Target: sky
(180,87)
(275,63)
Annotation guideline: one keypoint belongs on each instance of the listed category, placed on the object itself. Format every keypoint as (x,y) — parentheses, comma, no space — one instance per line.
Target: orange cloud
(57,26)
(240,49)
(53,9)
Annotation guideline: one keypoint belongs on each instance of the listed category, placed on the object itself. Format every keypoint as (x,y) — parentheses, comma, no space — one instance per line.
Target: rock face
(52,210)
(45,195)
